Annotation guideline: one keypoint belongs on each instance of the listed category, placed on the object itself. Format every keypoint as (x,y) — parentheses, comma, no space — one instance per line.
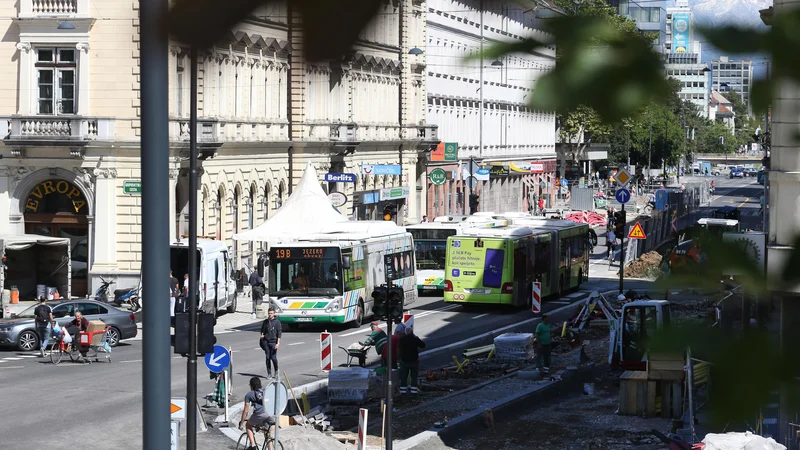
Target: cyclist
(259,418)
(78,324)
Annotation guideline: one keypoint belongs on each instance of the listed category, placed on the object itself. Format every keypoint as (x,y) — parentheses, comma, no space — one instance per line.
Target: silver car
(20,329)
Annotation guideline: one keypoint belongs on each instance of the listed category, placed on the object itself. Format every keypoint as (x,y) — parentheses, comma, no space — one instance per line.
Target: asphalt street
(99,406)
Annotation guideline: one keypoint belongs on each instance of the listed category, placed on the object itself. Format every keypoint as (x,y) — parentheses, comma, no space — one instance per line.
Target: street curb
(571,379)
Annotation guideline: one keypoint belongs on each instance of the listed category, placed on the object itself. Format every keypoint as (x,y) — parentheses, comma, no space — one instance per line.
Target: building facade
(649,17)
(71,126)
(683,56)
(509,155)
(728,75)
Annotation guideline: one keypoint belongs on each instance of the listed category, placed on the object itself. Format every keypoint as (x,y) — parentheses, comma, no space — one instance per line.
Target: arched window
(203,212)
(220,213)
(266,202)
(237,197)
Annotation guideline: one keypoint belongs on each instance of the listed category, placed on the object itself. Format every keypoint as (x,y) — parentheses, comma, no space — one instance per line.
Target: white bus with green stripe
(329,277)
(430,244)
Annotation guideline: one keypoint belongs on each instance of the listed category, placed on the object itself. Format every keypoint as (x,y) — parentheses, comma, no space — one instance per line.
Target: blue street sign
(623,195)
(340,177)
(662,199)
(218,360)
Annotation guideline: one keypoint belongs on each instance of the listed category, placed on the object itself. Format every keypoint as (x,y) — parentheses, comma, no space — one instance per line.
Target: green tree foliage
(745,124)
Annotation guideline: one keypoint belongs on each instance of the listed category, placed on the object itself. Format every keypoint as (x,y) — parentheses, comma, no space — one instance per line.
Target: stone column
(173,183)
(25,78)
(83,78)
(105,220)
(5,201)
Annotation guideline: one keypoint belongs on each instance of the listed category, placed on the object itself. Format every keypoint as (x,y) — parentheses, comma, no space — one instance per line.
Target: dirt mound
(645,267)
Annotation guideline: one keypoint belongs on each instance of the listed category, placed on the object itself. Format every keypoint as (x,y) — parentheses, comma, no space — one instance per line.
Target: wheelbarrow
(358,352)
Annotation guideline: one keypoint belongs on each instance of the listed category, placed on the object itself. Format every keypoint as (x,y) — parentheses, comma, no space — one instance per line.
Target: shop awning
(26,241)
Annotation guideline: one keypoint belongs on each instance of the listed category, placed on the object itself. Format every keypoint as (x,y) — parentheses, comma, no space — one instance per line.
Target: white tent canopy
(307,211)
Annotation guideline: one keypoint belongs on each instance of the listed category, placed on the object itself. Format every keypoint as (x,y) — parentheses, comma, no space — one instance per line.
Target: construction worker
(542,336)
(377,338)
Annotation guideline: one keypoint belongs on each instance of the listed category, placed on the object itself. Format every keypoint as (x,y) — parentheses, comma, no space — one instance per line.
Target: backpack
(42,314)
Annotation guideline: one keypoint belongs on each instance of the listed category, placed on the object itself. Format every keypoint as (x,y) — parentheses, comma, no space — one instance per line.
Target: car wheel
(232,308)
(27,341)
(114,336)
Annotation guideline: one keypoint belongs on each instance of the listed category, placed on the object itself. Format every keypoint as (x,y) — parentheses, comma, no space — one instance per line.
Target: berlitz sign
(340,177)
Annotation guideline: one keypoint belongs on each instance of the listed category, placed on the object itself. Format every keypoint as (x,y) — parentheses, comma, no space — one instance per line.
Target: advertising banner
(681,32)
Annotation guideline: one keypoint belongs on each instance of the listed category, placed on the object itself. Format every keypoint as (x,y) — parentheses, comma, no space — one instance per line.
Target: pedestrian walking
(271,340)
(186,286)
(377,338)
(410,344)
(542,337)
(611,243)
(44,320)
(257,290)
(541,206)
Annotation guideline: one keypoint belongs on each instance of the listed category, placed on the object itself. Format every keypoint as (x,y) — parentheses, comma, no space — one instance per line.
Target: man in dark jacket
(256,289)
(409,360)
(44,320)
(271,340)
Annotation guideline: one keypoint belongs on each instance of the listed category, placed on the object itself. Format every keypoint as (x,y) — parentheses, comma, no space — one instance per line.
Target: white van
(216,280)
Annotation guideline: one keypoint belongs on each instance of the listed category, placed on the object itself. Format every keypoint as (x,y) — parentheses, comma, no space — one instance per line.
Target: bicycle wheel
(244,443)
(72,351)
(56,353)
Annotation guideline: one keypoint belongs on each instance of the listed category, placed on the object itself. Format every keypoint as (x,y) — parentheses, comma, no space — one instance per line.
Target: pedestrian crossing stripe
(636,232)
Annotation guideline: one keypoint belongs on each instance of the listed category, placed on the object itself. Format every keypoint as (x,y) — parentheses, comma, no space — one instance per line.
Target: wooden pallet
(637,394)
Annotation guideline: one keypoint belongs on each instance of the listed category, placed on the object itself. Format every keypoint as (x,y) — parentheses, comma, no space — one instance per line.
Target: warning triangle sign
(636,232)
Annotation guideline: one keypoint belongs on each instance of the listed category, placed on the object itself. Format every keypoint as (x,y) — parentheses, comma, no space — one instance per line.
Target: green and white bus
(430,243)
(499,265)
(329,277)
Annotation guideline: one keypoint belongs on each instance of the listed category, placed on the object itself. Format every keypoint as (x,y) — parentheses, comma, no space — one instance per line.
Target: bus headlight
(334,306)
(273,304)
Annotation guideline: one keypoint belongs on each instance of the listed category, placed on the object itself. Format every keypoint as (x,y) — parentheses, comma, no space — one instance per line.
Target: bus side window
(563,251)
(542,262)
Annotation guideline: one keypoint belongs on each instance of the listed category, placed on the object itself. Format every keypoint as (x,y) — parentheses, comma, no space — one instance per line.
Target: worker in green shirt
(377,338)
(543,345)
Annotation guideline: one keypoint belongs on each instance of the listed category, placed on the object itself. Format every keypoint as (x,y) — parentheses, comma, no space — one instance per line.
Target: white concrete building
(516,145)
(683,56)
(71,125)
(732,75)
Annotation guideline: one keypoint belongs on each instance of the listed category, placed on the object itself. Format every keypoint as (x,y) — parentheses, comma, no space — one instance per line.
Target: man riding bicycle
(260,418)
(78,324)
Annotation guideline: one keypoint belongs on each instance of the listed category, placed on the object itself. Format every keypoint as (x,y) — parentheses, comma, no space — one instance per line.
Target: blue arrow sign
(662,199)
(218,360)
(623,195)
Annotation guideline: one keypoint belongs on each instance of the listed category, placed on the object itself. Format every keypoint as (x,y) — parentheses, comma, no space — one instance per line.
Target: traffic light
(389,212)
(205,333)
(379,305)
(396,303)
(619,224)
(181,334)
(473,203)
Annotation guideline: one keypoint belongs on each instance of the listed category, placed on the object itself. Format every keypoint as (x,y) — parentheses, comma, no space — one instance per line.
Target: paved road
(107,397)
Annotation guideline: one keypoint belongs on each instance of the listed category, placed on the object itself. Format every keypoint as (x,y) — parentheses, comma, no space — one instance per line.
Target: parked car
(737,173)
(750,172)
(20,330)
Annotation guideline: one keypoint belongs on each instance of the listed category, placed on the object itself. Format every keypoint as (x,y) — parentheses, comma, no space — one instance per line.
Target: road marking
(416,316)
(558,302)
(296,343)
(479,316)
(28,356)
(12,359)
(131,361)
(745,201)
(12,367)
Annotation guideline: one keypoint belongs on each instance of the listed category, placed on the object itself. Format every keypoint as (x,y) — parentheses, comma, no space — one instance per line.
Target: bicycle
(266,440)
(59,348)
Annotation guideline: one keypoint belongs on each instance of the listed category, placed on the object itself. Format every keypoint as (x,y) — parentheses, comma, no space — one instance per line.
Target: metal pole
(622,252)
(389,373)
(766,172)
(690,383)
(155,217)
(276,412)
(650,147)
(480,106)
(225,379)
(191,363)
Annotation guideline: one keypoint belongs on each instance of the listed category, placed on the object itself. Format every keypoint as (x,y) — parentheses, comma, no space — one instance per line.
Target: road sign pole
(622,254)
(191,363)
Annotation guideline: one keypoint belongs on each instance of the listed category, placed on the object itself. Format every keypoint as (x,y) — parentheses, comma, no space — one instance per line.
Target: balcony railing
(50,8)
(48,129)
(221,131)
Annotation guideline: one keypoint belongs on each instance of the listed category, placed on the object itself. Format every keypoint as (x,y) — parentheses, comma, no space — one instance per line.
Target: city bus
(499,265)
(329,277)
(430,241)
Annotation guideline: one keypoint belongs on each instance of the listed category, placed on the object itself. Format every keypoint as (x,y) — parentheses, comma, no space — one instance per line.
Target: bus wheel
(359,315)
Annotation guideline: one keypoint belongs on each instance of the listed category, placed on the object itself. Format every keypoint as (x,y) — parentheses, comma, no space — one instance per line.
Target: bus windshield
(301,271)
(430,254)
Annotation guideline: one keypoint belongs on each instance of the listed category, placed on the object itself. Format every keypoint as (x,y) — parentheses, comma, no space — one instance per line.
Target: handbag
(263,343)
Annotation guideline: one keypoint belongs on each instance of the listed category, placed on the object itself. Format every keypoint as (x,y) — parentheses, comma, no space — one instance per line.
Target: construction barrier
(362,428)
(325,346)
(536,298)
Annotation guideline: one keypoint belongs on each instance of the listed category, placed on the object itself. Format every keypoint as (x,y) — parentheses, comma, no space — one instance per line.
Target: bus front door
(521,289)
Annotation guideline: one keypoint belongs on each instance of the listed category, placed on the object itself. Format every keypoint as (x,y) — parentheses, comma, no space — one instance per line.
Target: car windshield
(27,313)
(430,254)
(305,271)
